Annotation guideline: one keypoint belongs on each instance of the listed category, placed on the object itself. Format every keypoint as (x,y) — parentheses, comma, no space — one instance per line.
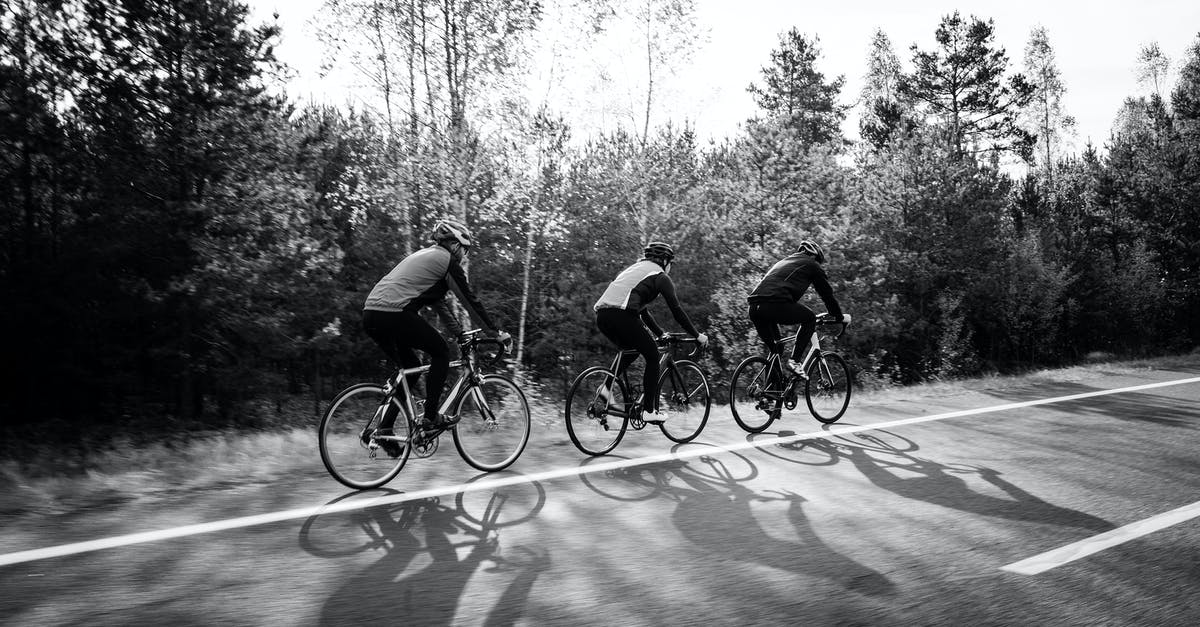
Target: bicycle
(489,420)
(759,391)
(596,425)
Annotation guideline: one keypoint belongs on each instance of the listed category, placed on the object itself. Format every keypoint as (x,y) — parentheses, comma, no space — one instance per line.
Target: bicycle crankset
(425,445)
(790,401)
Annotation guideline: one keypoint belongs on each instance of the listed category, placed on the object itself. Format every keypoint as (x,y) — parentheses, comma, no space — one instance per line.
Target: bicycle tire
(687,408)
(827,391)
(751,409)
(493,426)
(593,429)
(344,438)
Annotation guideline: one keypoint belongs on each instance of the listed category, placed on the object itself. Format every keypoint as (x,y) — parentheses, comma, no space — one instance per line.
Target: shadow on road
(715,512)
(423,572)
(887,461)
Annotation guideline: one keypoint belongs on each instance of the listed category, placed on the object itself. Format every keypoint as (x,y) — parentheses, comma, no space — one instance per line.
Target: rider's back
(788,279)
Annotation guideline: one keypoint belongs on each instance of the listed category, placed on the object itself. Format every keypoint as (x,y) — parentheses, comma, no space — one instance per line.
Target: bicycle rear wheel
(749,402)
(493,426)
(827,391)
(596,426)
(351,448)
(685,397)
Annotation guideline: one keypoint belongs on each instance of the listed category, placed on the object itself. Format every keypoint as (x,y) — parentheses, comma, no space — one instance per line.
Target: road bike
(596,424)
(488,417)
(760,390)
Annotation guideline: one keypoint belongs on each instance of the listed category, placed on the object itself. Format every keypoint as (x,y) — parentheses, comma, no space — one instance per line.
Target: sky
(1096,45)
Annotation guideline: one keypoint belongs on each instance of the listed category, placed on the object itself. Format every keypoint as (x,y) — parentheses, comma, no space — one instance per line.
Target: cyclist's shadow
(944,485)
(715,512)
(398,588)
(711,515)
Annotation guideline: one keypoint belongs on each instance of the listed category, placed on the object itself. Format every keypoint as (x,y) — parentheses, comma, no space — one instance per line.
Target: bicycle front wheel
(493,426)
(828,389)
(685,396)
(351,447)
(749,397)
(597,425)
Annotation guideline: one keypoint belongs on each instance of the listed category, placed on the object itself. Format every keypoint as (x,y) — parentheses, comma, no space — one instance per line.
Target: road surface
(1055,502)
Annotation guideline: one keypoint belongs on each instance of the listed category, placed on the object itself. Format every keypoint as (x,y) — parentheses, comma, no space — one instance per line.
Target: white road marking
(1095,544)
(356,504)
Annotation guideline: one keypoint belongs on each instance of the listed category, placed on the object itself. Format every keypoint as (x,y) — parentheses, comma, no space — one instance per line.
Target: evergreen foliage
(179,248)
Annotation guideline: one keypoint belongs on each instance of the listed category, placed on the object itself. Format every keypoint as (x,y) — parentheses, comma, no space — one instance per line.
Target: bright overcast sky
(1096,44)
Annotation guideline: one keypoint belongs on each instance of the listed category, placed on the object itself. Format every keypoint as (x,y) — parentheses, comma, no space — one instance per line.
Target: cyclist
(391,315)
(775,301)
(624,302)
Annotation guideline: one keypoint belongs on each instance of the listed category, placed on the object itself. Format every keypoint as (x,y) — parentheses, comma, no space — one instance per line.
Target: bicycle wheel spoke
(751,402)
(352,447)
(687,411)
(827,391)
(493,425)
(594,424)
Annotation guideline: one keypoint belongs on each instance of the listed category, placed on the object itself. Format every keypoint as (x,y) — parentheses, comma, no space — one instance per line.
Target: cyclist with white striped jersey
(622,310)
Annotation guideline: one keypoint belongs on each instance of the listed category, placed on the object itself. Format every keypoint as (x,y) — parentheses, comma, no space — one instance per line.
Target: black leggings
(626,330)
(398,333)
(768,316)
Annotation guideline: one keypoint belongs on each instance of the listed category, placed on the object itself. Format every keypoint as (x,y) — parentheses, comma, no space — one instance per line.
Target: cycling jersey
(787,281)
(636,287)
(423,278)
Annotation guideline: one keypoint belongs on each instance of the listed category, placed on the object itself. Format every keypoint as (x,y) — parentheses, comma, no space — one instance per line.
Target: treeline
(180,245)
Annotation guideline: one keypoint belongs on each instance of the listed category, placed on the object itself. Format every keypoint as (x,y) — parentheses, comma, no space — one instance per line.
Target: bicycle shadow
(888,462)
(716,512)
(431,551)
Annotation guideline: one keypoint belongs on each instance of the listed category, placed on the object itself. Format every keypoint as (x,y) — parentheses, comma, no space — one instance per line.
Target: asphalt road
(893,525)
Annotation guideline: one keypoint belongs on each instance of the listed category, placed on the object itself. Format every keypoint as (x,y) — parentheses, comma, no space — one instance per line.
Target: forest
(183,246)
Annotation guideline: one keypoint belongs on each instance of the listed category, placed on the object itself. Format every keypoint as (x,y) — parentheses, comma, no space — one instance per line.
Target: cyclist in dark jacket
(391,315)
(621,306)
(775,301)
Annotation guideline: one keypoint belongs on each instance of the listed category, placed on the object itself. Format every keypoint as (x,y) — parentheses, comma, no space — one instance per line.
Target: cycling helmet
(812,248)
(452,228)
(659,250)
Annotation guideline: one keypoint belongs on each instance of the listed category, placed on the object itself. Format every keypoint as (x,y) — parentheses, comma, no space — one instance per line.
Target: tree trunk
(413,128)
(526,272)
(649,79)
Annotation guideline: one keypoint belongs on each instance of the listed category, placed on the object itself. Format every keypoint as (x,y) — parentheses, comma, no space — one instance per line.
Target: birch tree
(884,109)
(1045,114)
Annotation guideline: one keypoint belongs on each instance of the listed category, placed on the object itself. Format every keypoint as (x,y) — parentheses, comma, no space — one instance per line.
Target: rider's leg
(768,330)
(421,335)
(386,328)
(766,316)
(628,333)
(808,325)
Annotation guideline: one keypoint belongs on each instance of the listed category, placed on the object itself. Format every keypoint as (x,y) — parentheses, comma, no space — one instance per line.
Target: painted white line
(698,451)
(1095,544)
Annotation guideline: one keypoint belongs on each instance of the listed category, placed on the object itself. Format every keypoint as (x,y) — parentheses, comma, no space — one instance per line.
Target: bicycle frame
(464,383)
(814,345)
(666,363)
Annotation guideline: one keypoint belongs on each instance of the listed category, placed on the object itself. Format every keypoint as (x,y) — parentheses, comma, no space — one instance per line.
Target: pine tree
(795,94)
(961,87)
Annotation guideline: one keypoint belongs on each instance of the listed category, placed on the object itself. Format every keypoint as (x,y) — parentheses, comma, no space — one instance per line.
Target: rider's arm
(666,287)
(648,320)
(462,289)
(446,314)
(820,283)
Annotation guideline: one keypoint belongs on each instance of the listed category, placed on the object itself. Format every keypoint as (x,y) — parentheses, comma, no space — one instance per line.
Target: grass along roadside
(125,472)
